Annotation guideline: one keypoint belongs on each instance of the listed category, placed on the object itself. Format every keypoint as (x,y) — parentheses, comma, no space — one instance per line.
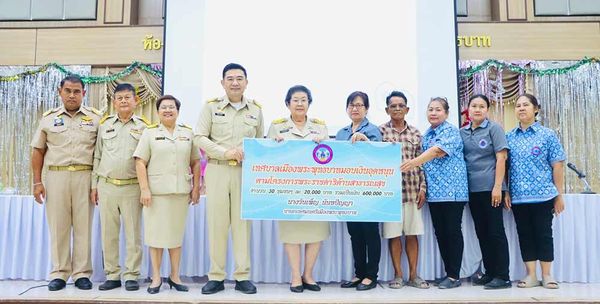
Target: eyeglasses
(397,106)
(167,108)
(356,106)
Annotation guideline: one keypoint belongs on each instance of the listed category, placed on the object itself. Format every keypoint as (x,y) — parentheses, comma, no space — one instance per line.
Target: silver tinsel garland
(571,106)
(22,103)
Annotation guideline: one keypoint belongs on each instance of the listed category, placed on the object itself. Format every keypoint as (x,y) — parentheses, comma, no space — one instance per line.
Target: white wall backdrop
(333,47)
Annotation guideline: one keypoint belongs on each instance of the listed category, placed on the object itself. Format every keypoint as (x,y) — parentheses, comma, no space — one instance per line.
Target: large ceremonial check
(331,181)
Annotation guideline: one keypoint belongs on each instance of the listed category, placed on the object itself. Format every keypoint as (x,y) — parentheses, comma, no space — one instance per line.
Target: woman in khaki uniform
(294,233)
(168,170)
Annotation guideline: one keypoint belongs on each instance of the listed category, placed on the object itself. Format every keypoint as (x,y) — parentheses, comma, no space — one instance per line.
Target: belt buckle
(233,163)
(70,168)
(118,182)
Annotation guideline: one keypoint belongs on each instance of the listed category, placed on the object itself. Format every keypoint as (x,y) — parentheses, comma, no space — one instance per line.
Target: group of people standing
(470,165)
(132,170)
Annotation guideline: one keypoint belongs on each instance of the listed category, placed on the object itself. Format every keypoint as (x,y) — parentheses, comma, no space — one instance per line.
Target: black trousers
(534,227)
(447,222)
(489,226)
(366,248)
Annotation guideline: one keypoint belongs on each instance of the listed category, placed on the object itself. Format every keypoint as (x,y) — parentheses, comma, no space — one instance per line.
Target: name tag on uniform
(219,114)
(110,130)
(314,131)
(251,116)
(285,130)
(159,138)
(135,131)
(58,121)
(183,138)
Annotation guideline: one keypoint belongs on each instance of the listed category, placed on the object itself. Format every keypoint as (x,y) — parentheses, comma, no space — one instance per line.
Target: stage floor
(279,293)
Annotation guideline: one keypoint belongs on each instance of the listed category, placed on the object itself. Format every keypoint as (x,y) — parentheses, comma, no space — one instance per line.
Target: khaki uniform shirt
(222,127)
(285,128)
(68,140)
(113,157)
(169,157)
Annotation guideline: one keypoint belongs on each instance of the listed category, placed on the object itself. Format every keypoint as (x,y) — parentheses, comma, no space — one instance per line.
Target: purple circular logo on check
(483,143)
(536,151)
(322,154)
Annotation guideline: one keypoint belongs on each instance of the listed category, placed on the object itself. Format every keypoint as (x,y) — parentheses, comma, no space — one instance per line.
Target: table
(24,246)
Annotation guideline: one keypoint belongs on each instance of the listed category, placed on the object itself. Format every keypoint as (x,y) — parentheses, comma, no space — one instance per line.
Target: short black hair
(72,79)
(395,94)
(485,98)
(168,97)
(360,94)
(234,66)
(296,89)
(124,87)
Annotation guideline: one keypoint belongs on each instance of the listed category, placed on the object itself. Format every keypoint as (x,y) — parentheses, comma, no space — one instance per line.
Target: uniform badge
(483,143)
(219,114)
(314,131)
(285,130)
(159,138)
(135,131)
(535,151)
(86,121)
(110,130)
(251,116)
(58,121)
(183,138)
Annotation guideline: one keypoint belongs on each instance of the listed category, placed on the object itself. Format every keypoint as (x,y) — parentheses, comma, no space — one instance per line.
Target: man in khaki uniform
(115,187)
(222,126)
(64,142)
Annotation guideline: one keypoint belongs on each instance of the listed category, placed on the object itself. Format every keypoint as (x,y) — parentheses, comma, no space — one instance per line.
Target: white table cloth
(24,246)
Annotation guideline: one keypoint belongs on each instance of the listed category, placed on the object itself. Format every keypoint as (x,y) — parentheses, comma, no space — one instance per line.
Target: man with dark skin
(64,143)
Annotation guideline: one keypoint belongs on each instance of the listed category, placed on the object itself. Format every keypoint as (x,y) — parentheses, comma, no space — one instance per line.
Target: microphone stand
(587,189)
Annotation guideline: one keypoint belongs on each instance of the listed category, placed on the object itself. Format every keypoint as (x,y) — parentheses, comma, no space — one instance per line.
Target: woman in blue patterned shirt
(447,186)
(536,168)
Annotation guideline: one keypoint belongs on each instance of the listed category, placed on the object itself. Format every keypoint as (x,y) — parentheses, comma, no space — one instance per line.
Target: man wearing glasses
(223,124)
(413,193)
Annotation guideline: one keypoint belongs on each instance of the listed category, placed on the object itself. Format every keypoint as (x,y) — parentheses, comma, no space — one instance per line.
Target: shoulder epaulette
(105,118)
(280,120)
(185,126)
(216,99)
(317,121)
(257,104)
(50,111)
(152,126)
(94,110)
(146,121)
